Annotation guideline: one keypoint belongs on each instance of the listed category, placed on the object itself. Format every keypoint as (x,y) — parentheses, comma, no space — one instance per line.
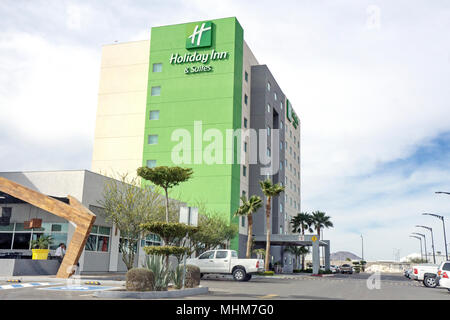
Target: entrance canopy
(309,240)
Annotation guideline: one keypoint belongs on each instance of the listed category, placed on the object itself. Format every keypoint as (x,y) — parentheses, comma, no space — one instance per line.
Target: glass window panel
(22,240)
(104,230)
(221,254)
(57,239)
(234,254)
(151,163)
(157,67)
(20,227)
(9,227)
(153,139)
(103,244)
(56,227)
(154,115)
(91,243)
(5,240)
(94,229)
(156,91)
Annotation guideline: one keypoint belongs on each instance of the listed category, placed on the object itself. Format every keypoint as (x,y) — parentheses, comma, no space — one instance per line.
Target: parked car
(334,268)
(227,262)
(443,276)
(346,268)
(426,273)
(408,273)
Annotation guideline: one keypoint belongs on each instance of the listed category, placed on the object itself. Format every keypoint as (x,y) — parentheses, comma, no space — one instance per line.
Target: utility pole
(362,248)
(432,241)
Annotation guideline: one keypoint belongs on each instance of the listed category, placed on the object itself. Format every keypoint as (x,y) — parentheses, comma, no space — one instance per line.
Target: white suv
(443,278)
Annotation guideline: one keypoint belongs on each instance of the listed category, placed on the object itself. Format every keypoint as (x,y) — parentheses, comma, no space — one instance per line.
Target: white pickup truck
(227,262)
(426,273)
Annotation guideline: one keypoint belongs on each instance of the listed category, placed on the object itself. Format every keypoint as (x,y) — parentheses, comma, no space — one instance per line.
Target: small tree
(128,206)
(247,209)
(270,190)
(166,178)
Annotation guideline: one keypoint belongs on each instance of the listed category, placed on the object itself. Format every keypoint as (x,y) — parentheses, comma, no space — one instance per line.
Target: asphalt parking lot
(301,287)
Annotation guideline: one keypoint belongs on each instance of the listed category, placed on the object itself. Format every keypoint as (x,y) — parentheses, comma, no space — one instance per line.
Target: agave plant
(43,242)
(176,276)
(160,271)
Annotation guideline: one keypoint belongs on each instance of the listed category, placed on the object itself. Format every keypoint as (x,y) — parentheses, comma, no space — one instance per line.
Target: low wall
(28,267)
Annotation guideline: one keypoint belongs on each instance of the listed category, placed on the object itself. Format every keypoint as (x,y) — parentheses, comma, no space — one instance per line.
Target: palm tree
(270,190)
(320,220)
(247,209)
(301,223)
(297,252)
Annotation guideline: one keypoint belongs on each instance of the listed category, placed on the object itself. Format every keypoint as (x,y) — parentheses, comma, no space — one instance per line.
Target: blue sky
(369,80)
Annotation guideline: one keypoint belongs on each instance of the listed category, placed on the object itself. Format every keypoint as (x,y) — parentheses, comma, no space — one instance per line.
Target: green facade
(212,96)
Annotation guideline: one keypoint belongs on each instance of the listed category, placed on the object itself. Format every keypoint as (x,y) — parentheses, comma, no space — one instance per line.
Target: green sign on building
(199,36)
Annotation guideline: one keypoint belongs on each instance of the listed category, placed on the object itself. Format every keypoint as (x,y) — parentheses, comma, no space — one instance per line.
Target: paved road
(392,287)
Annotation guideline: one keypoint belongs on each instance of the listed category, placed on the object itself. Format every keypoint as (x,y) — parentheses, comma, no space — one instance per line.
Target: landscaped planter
(123,294)
(40,254)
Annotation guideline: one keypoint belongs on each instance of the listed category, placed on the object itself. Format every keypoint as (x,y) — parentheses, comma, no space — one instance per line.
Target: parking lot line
(26,285)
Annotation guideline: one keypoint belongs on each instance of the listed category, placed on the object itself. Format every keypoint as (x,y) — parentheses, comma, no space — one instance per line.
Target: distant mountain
(343,255)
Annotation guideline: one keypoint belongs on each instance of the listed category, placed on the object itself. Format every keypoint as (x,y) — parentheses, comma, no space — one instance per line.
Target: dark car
(346,268)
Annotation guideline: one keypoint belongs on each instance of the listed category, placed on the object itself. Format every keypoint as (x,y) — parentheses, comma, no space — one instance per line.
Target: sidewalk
(104,278)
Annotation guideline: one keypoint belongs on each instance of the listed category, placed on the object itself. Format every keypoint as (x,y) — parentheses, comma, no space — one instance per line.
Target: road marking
(26,285)
(269,296)
(79,288)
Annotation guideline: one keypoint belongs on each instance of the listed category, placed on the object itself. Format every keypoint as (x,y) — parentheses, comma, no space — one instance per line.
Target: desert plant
(166,178)
(192,276)
(176,276)
(160,271)
(43,242)
(140,279)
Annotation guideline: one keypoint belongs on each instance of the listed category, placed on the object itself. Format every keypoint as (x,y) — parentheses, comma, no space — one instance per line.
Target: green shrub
(160,271)
(140,279)
(192,276)
(266,273)
(165,250)
(170,232)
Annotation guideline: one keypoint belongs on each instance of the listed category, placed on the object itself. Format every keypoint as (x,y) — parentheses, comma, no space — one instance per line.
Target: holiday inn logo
(199,35)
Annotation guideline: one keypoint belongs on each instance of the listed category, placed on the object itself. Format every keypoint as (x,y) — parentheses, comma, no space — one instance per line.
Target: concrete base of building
(28,267)
(122,294)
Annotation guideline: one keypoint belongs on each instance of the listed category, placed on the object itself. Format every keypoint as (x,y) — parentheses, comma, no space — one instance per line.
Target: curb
(114,294)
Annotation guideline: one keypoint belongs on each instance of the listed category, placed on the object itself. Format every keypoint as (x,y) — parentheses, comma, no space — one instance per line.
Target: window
(151,163)
(281,165)
(281,208)
(281,105)
(243,221)
(245,122)
(207,255)
(156,91)
(268,152)
(268,86)
(98,239)
(153,139)
(446,266)
(245,146)
(275,96)
(268,131)
(244,193)
(268,108)
(295,139)
(234,254)
(157,67)
(244,171)
(285,144)
(151,240)
(281,232)
(285,181)
(154,115)
(281,124)
(221,254)
(15,236)
(245,99)
(281,146)
(246,76)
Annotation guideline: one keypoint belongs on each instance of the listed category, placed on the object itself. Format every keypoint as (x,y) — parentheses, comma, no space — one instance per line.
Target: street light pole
(425,244)
(420,239)
(432,241)
(443,225)
(362,248)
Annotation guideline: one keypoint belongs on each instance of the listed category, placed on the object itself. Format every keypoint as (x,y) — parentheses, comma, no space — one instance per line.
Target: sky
(369,80)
